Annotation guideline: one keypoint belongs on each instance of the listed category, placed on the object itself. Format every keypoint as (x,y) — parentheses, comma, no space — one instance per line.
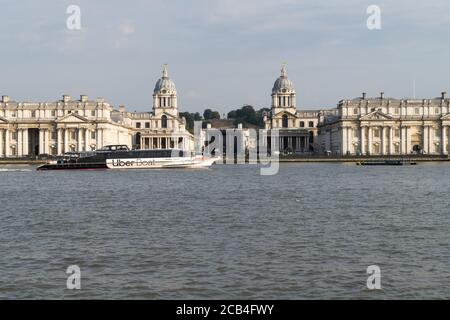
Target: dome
(165,85)
(283,84)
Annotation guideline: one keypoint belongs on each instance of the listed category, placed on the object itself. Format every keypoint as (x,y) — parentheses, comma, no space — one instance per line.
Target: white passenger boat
(120,157)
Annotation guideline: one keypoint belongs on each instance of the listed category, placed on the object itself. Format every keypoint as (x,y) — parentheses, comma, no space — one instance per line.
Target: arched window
(311,124)
(164,122)
(285,123)
(302,124)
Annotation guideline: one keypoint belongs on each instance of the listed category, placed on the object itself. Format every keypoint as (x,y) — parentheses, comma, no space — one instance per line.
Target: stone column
(2,154)
(87,139)
(362,140)
(41,141)
(59,142)
(99,138)
(25,142)
(47,141)
(431,135)
(402,140)
(7,143)
(407,148)
(369,139)
(344,140)
(79,140)
(391,140)
(444,141)
(425,140)
(350,139)
(66,140)
(19,143)
(383,145)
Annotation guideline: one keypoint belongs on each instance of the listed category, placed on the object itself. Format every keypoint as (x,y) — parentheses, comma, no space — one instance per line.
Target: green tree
(209,114)
(190,118)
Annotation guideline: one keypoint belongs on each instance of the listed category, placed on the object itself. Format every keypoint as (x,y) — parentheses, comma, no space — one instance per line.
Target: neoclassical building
(297,129)
(34,128)
(386,126)
(67,125)
(162,128)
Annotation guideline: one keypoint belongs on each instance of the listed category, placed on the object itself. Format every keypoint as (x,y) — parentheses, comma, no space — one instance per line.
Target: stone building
(162,128)
(297,129)
(54,128)
(386,126)
(67,125)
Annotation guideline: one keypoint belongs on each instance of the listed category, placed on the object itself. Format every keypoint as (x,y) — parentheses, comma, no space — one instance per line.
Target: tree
(190,118)
(208,114)
(260,116)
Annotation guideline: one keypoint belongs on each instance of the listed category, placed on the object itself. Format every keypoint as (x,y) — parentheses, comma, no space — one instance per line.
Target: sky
(223,54)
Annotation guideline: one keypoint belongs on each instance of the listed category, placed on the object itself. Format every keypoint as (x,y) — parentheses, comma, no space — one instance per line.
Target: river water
(308,232)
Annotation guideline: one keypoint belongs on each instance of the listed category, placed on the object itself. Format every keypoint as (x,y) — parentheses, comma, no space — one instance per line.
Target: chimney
(122,109)
(66,98)
(239,126)
(381,95)
(443,94)
(5,99)
(83,98)
(364,96)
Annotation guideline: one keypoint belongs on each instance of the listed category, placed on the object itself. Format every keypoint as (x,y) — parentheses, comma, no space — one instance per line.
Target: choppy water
(308,232)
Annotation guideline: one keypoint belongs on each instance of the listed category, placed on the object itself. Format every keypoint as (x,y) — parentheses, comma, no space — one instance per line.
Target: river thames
(309,232)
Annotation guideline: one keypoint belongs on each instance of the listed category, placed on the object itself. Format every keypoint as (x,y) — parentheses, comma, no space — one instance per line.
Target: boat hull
(121,164)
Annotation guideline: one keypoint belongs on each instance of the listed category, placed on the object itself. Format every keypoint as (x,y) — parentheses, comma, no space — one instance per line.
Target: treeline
(247,115)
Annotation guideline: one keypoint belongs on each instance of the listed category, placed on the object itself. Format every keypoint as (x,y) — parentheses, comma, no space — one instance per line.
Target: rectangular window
(92,134)
(376,133)
(417,111)
(53,135)
(437,133)
(437,111)
(397,133)
(73,135)
(14,135)
(397,148)
(53,113)
(138,125)
(92,113)
(33,114)
(13,114)
(355,111)
(147,125)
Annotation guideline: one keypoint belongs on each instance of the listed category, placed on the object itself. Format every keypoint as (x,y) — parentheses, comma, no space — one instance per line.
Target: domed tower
(165,95)
(283,94)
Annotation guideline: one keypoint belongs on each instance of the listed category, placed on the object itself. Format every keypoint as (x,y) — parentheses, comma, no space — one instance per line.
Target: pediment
(446,117)
(3,120)
(72,118)
(376,115)
(282,113)
(167,115)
